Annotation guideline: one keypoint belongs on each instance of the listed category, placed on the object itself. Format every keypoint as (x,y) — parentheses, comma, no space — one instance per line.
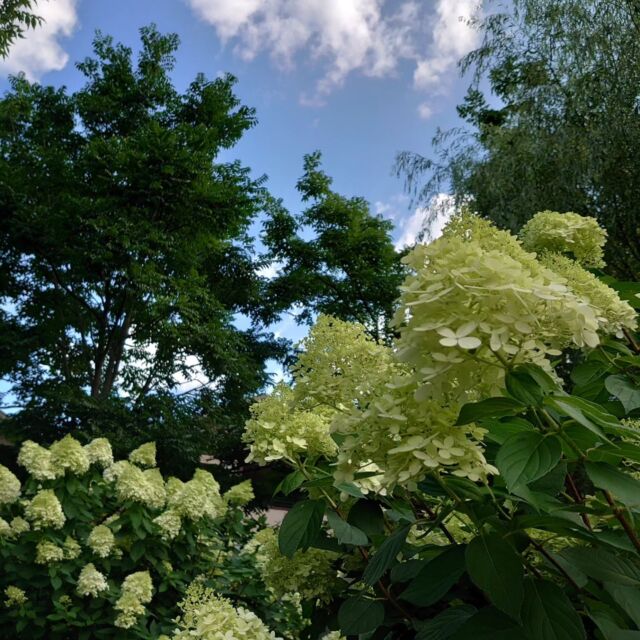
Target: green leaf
(614,453)
(603,566)
(436,578)
(627,598)
(624,488)
(360,615)
(497,407)
(624,390)
(345,532)
(385,556)
(445,624)
(496,568)
(406,571)
(522,387)
(300,526)
(367,515)
(350,489)
(527,456)
(290,483)
(547,613)
(570,406)
(588,372)
(499,431)
(541,377)
(489,624)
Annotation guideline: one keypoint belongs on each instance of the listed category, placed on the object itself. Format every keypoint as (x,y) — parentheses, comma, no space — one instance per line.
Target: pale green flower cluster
(99,452)
(48,552)
(210,617)
(91,582)
(14,596)
(44,510)
(144,455)
(36,460)
(9,486)
(613,314)
(566,233)
(136,591)
(310,573)
(71,548)
(68,454)
(280,428)
(5,529)
(333,635)
(240,494)
(132,483)
(339,370)
(19,526)
(198,498)
(169,523)
(101,540)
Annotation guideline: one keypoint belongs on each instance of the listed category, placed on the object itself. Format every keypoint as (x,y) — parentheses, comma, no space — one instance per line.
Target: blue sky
(359,80)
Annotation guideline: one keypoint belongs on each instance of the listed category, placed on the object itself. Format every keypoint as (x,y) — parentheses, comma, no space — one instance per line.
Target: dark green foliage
(337,257)
(16,16)
(565,134)
(125,256)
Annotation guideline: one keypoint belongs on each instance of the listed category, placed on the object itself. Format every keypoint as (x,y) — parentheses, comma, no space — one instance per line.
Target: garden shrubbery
(479,478)
(92,548)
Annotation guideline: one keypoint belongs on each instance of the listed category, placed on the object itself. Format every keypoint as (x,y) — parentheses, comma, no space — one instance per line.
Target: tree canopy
(565,134)
(126,258)
(16,16)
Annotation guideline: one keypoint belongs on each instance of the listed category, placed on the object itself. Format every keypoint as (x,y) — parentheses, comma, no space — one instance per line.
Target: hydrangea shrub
(96,548)
(480,477)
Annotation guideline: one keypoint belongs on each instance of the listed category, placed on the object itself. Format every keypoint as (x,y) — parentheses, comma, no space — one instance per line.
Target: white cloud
(370,37)
(40,50)
(425,222)
(425,111)
(451,38)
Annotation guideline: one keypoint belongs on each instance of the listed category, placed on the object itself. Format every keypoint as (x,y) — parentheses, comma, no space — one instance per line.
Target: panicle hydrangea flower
(613,314)
(144,455)
(146,487)
(99,452)
(113,472)
(310,573)
(169,523)
(69,454)
(36,460)
(210,617)
(5,529)
(44,510)
(172,486)
(91,582)
(101,540)
(14,596)
(19,526)
(136,591)
(580,236)
(240,494)
(198,498)
(333,635)
(71,548)
(9,486)
(47,552)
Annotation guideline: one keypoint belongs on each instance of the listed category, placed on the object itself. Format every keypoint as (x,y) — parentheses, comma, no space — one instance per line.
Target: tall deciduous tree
(336,257)
(566,132)
(124,253)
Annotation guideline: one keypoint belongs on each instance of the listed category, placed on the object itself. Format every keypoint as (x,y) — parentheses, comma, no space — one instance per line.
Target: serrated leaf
(614,453)
(624,390)
(527,456)
(436,578)
(522,387)
(300,526)
(367,516)
(497,407)
(445,624)
(547,613)
(385,556)
(345,532)
(488,624)
(290,483)
(495,568)
(624,488)
(603,566)
(627,598)
(571,407)
(499,431)
(360,615)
